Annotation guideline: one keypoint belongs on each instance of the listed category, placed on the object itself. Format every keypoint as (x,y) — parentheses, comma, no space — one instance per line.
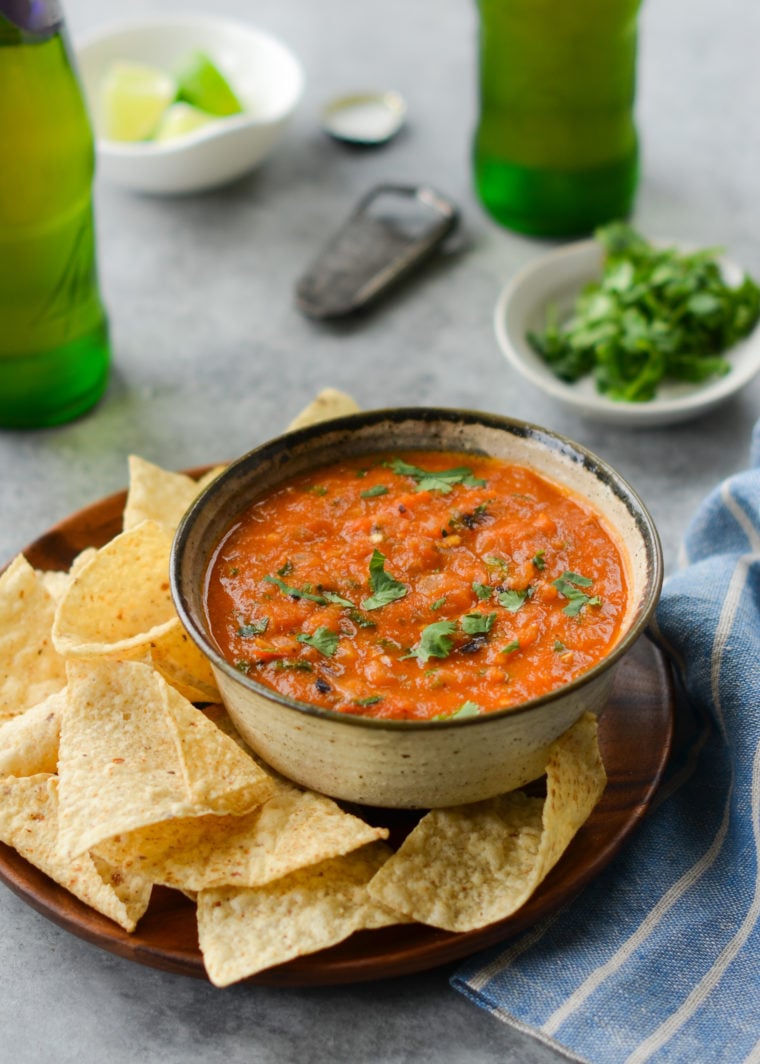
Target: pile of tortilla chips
(120,770)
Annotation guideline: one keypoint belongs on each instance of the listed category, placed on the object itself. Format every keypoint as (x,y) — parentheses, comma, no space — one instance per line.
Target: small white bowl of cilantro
(185,103)
(632,332)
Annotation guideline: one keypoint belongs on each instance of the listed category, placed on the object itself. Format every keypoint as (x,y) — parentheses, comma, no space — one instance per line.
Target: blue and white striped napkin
(659,958)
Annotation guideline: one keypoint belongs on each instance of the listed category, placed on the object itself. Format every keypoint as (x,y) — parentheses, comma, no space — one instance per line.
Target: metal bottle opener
(392,230)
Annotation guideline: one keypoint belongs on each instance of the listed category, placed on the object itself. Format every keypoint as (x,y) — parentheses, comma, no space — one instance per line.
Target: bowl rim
(698,399)
(298,437)
(83,42)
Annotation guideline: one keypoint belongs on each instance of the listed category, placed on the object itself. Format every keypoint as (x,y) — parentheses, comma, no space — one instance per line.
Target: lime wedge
(202,84)
(181,119)
(134,96)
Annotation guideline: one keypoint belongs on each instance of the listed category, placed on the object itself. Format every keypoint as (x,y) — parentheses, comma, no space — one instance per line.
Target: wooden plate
(635,736)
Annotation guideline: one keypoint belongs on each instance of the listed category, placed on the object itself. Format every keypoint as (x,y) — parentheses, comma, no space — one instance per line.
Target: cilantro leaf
(477,623)
(442,480)
(371,700)
(323,640)
(435,641)
(253,628)
(539,560)
(438,603)
(482,591)
(295,592)
(569,585)
(384,587)
(510,647)
(514,600)
(372,493)
(333,596)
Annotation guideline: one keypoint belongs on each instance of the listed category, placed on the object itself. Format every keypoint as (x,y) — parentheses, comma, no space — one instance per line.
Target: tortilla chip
(28,823)
(467,867)
(290,831)
(29,742)
(56,581)
(329,404)
(30,666)
(134,752)
(242,932)
(183,666)
(120,600)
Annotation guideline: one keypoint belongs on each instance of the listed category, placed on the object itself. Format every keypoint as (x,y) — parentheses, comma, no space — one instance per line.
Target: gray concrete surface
(211,358)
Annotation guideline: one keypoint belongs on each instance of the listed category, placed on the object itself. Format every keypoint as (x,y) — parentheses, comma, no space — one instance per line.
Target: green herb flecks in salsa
(569,585)
(436,641)
(384,588)
(436,480)
(323,640)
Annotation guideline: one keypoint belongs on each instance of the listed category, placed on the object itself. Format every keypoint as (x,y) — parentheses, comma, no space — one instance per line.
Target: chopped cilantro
(438,603)
(287,664)
(568,585)
(317,489)
(477,623)
(359,619)
(285,569)
(539,560)
(333,596)
(435,641)
(372,493)
(247,631)
(295,592)
(482,591)
(384,587)
(514,600)
(372,700)
(510,647)
(442,480)
(656,313)
(243,666)
(323,640)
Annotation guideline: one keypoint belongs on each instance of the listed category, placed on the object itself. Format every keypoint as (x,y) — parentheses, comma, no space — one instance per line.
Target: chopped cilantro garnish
(372,493)
(435,641)
(247,631)
(372,700)
(438,603)
(359,619)
(514,600)
(243,666)
(559,646)
(442,480)
(477,623)
(285,569)
(323,640)
(333,596)
(295,592)
(510,647)
(482,591)
(287,664)
(317,489)
(539,560)
(384,587)
(568,585)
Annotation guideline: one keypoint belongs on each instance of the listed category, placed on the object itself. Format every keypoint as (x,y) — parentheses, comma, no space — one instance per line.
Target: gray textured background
(211,358)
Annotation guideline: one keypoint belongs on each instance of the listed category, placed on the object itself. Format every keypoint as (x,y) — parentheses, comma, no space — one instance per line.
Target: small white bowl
(264,73)
(556,279)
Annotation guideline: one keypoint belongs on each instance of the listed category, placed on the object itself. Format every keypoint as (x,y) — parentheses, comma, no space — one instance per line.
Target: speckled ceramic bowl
(411,764)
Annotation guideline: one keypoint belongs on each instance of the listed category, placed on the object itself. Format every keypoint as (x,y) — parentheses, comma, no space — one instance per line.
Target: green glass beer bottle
(556,149)
(54,350)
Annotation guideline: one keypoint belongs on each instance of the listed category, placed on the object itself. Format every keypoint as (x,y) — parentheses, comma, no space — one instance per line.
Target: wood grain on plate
(635,735)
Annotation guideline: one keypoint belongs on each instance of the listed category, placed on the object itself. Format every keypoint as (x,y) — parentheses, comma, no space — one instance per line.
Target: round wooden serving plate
(635,735)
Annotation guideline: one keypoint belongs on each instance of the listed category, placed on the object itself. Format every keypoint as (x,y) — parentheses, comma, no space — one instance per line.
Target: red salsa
(416,586)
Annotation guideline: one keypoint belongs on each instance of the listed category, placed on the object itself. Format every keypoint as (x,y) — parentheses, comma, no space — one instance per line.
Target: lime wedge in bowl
(181,119)
(201,83)
(133,99)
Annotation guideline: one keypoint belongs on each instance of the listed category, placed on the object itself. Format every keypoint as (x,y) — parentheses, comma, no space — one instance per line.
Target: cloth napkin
(659,958)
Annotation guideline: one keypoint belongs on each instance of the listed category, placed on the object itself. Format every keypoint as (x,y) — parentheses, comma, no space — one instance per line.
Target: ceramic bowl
(411,764)
(264,72)
(556,279)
